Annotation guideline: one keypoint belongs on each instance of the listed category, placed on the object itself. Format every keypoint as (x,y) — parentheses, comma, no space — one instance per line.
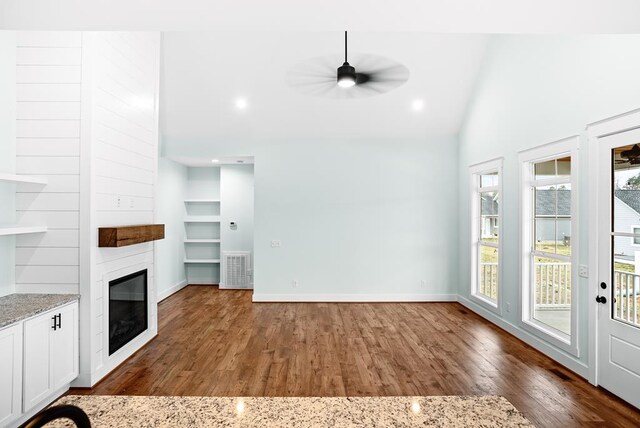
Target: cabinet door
(10,373)
(64,347)
(37,367)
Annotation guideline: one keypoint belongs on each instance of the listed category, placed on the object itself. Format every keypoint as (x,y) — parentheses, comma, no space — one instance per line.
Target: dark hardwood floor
(218,343)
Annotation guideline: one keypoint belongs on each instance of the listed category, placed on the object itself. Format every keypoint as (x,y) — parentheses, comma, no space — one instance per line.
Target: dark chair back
(76,414)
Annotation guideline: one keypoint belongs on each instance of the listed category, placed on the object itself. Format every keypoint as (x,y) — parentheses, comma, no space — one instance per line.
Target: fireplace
(127,309)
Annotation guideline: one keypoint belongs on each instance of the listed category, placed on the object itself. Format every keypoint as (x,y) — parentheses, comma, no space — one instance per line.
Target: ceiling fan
(367,75)
(631,156)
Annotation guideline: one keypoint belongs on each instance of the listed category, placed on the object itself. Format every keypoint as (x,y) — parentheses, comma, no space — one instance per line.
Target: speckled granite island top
(16,307)
(263,412)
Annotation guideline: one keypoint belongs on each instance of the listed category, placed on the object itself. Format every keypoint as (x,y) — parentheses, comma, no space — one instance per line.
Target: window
(548,266)
(485,233)
(636,233)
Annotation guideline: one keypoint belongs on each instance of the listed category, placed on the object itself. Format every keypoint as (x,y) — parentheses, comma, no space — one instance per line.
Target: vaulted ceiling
(216,52)
(204,74)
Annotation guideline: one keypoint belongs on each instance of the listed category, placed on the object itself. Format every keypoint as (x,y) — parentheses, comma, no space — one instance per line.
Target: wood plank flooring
(219,343)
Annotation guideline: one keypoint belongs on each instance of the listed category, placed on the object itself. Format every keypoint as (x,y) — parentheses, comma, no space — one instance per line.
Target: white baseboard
(354,298)
(168,292)
(549,350)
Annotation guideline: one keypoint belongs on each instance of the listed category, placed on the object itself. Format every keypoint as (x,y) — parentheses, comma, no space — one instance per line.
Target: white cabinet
(10,373)
(50,353)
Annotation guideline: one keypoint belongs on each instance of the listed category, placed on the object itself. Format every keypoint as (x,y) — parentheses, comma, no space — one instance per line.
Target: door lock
(603,285)
(601,299)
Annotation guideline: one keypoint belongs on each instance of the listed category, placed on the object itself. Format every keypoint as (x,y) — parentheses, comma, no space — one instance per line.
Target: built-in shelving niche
(17,229)
(202,240)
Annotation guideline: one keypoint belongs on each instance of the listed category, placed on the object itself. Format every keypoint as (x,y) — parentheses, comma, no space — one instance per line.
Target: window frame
(528,253)
(475,173)
(633,238)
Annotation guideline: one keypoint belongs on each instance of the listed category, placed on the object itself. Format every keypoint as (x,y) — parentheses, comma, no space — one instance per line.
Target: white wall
(48,73)
(358,219)
(534,90)
(120,161)
(172,182)
(204,183)
(7,156)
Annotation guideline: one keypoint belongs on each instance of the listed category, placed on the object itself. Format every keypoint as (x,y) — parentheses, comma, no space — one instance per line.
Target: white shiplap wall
(48,71)
(124,162)
(87,120)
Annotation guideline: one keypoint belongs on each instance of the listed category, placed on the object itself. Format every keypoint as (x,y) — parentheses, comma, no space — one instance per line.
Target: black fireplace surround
(127,309)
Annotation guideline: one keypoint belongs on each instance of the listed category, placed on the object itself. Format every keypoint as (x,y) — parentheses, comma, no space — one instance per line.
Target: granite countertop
(16,307)
(263,412)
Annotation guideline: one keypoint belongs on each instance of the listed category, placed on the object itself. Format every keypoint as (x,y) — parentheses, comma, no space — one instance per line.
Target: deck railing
(488,281)
(553,288)
(627,297)
(553,285)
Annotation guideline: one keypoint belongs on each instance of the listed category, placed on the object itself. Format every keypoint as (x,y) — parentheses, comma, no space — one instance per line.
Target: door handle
(601,299)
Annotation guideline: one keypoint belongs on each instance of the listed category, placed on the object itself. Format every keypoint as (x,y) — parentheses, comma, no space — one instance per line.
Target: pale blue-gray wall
(534,90)
(355,216)
(172,185)
(7,156)
(236,195)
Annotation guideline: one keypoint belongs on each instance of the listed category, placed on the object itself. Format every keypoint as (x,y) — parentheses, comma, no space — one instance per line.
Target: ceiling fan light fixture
(346,76)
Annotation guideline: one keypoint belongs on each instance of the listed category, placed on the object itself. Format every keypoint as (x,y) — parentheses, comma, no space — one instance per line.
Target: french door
(618,280)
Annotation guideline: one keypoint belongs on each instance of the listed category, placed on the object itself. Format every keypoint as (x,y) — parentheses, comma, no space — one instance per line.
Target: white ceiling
(443,16)
(204,73)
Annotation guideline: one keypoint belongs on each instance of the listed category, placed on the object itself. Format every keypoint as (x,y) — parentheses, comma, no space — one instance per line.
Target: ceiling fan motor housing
(347,73)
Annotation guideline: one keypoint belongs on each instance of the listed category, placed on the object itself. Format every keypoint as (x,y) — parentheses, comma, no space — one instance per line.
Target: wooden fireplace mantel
(121,236)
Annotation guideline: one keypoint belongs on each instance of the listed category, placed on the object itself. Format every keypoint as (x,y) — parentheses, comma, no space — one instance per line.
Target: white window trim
(568,146)
(633,238)
(475,171)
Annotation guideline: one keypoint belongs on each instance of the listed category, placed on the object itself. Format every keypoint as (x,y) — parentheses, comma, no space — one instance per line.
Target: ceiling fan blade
(374,75)
(362,78)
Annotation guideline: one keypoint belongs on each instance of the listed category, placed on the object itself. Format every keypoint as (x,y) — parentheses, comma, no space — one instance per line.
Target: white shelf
(202,219)
(201,201)
(20,230)
(14,178)
(202,261)
(201,241)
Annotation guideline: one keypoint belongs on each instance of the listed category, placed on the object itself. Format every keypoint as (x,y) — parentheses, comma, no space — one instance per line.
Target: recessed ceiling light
(241,104)
(215,160)
(417,105)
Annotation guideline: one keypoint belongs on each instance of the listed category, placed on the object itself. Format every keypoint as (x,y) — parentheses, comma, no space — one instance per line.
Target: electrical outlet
(423,284)
(294,284)
(118,202)
(508,307)
(583,271)
(276,243)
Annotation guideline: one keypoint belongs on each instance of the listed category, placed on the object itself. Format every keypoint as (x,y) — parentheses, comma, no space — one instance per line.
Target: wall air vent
(236,266)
